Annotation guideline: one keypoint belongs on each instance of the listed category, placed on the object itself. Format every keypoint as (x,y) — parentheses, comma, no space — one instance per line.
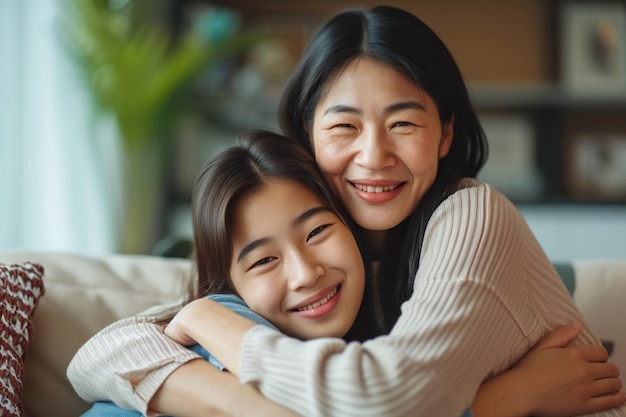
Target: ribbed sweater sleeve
(485,292)
(126,362)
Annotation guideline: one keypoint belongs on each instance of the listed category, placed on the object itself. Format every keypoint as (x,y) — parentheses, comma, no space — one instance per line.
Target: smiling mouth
(375,189)
(320,302)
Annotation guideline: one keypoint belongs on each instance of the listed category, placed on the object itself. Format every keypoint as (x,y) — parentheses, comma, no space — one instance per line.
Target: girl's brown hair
(235,172)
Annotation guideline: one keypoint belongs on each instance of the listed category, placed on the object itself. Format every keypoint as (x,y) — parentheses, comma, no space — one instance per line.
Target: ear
(447,134)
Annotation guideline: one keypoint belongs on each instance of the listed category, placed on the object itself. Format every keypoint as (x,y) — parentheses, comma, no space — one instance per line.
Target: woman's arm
(129,360)
(356,367)
(472,315)
(549,381)
(126,362)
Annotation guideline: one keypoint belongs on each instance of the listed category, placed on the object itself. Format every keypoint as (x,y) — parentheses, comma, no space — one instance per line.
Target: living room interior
(548,79)
(109,108)
(555,123)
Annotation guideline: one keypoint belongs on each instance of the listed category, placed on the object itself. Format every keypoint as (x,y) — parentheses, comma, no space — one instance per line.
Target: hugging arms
(411,365)
(460,289)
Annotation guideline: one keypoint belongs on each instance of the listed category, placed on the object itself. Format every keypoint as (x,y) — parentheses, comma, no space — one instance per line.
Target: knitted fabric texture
(21,287)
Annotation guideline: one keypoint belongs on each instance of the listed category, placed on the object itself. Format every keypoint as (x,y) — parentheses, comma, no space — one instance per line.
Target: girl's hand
(553,380)
(564,381)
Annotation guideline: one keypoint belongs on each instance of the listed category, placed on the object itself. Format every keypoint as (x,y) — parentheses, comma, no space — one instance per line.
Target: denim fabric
(467,413)
(237,305)
(109,409)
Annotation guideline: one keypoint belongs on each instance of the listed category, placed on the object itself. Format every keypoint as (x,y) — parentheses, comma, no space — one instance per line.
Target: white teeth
(320,302)
(378,189)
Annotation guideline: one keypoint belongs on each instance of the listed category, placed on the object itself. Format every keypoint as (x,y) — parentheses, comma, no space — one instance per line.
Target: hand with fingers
(553,380)
(568,381)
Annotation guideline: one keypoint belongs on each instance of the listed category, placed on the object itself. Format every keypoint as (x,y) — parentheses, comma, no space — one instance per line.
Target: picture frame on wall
(593,47)
(512,165)
(597,166)
(594,147)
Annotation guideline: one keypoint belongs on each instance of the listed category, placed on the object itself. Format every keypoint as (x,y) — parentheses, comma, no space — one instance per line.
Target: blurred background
(109,108)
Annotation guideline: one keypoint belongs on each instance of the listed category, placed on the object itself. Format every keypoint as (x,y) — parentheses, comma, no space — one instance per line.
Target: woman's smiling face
(378,139)
(295,262)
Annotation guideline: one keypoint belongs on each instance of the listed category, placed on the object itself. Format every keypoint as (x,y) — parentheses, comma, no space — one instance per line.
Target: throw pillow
(21,287)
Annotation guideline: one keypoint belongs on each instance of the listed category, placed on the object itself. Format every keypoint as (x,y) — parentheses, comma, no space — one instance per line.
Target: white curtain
(54,194)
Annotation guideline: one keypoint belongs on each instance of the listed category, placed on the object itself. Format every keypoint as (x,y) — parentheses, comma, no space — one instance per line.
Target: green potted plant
(135,73)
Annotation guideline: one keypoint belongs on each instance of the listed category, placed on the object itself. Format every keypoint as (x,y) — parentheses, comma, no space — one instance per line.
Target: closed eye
(402,124)
(317,231)
(262,261)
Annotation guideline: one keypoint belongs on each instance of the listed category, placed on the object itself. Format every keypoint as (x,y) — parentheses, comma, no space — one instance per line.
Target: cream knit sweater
(484,294)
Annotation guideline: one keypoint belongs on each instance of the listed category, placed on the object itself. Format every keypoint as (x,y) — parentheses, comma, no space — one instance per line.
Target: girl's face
(378,140)
(295,262)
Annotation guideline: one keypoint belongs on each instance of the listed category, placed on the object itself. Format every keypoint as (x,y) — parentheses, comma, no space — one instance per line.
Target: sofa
(82,294)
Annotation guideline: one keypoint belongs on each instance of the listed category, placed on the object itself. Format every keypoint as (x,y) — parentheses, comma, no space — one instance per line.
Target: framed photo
(597,168)
(511,166)
(593,46)
(595,155)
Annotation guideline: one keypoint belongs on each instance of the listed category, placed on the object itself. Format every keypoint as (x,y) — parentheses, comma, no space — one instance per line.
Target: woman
(380,102)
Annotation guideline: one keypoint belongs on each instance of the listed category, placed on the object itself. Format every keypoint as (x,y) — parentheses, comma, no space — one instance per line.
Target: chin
(339,332)
(377,222)
(331,333)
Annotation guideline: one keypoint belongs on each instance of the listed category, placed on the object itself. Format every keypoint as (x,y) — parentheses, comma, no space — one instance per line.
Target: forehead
(274,202)
(277,187)
(366,76)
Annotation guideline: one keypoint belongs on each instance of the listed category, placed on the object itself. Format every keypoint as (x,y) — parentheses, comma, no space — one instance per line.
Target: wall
(492,40)
(569,232)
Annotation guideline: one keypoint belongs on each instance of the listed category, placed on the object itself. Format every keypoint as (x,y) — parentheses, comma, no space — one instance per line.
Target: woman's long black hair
(403,42)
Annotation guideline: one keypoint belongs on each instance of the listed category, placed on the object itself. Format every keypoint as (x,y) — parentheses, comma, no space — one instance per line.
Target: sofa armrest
(83,295)
(600,294)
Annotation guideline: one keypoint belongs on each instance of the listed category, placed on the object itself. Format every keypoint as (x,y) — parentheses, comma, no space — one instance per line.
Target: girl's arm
(185,394)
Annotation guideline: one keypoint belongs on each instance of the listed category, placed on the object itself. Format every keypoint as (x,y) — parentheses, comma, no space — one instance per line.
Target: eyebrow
(249,247)
(404,105)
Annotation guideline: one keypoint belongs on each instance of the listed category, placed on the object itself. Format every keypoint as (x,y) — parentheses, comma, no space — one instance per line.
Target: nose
(374,149)
(304,270)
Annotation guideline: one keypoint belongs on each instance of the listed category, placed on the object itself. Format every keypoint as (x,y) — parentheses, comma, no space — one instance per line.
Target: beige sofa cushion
(83,295)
